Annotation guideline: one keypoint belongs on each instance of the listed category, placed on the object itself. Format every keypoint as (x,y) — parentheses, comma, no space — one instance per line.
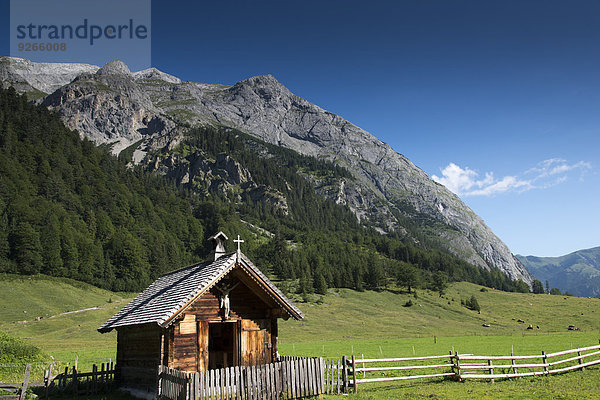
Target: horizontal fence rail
(289,379)
(389,369)
(466,369)
(460,366)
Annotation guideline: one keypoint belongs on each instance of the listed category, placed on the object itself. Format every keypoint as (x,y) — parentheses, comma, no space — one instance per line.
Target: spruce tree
(26,248)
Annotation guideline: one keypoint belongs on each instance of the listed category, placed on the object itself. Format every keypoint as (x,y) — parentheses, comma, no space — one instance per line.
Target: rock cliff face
(150,108)
(44,77)
(108,106)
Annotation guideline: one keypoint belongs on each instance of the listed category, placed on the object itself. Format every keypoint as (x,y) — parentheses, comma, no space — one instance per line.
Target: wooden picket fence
(464,366)
(336,377)
(291,378)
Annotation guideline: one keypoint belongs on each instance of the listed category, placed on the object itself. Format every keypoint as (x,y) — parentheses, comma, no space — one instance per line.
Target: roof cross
(238,241)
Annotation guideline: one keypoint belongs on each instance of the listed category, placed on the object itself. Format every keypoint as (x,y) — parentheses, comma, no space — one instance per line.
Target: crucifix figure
(224,298)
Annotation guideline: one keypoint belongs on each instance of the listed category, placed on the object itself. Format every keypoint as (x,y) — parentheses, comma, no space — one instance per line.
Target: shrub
(472,304)
(16,350)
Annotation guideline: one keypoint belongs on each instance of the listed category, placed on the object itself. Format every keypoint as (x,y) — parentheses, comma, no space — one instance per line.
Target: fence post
(338,375)
(345,373)
(48,380)
(75,381)
(158,379)
(580,360)
(64,379)
(25,382)
(545,359)
(457,358)
(354,373)
(94,379)
(512,354)
(491,369)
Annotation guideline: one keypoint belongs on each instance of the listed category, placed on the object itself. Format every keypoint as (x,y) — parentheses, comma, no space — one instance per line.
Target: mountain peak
(267,80)
(116,67)
(155,74)
(386,185)
(45,77)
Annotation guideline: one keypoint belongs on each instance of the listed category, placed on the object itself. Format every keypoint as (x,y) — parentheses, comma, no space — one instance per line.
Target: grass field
(60,316)
(373,324)
(347,314)
(574,385)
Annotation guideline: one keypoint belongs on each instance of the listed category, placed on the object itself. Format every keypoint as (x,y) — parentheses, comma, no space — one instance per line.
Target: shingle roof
(168,294)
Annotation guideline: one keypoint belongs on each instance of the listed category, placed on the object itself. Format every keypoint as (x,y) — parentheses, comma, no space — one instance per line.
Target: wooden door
(255,342)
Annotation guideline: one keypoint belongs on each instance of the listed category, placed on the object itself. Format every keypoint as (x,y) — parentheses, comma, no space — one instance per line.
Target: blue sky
(499,100)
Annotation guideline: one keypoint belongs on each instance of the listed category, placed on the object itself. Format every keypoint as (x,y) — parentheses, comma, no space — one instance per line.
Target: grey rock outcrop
(109,107)
(154,74)
(265,108)
(223,175)
(150,107)
(45,77)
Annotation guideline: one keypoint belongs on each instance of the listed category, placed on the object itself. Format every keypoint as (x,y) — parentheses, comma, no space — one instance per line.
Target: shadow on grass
(115,394)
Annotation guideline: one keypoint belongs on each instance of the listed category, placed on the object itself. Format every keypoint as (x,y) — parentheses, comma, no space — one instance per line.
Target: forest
(69,208)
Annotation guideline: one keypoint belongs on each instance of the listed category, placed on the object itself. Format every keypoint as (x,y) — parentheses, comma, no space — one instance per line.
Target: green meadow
(60,316)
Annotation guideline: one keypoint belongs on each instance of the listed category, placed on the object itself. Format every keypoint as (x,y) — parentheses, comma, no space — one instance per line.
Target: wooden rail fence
(84,383)
(289,379)
(395,369)
(74,382)
(464,366)
(521,366)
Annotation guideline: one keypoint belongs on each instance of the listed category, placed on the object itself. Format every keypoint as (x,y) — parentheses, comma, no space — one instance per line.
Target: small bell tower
(218,241)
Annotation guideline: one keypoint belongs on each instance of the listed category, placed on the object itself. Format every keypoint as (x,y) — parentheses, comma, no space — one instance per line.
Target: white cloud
(547,173)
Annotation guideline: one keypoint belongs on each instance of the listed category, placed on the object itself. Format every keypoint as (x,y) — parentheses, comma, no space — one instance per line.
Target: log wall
(138,354)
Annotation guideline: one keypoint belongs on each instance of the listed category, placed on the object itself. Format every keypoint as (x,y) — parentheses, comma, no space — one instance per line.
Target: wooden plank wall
(139,346)
(185,345)
(186,342)
(138,353)
(244,304)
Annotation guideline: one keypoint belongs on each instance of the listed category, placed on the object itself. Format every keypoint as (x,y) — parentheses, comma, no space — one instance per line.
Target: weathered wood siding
(244,305)
(256,342)
(187,341)
(138,354)
(202,345)
(185,345)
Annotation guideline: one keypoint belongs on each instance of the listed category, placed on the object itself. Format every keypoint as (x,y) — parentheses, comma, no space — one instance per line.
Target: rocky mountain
(148,111)
(39,78)
(577,272)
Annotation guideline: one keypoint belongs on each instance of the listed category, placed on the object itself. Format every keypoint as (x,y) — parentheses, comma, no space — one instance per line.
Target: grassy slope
(371,323)
(63,336)
(348,314)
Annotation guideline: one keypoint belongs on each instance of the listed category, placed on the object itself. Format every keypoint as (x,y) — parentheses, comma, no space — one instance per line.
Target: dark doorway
(221,345)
